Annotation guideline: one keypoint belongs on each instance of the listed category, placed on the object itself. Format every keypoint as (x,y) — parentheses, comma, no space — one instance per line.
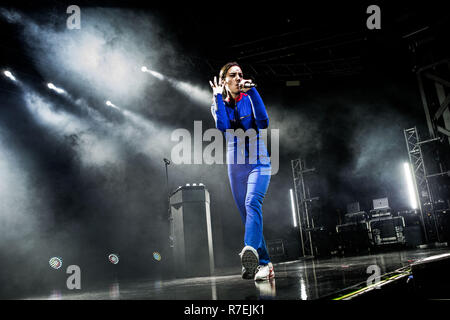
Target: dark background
(64,195)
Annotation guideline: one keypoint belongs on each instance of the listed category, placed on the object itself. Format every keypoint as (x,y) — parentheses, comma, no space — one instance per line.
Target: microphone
(249,85)
(167,161)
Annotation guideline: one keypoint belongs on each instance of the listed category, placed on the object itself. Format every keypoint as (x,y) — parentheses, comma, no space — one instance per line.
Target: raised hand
(217,87)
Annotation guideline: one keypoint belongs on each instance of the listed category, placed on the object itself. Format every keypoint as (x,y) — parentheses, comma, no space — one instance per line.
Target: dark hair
(223,74)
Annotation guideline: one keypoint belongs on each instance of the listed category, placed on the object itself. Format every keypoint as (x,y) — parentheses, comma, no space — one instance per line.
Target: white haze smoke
(20,206)
(103,60)
(105,56)
(199,95)
(98,145)
(93,150)
(298,134)
(102,57)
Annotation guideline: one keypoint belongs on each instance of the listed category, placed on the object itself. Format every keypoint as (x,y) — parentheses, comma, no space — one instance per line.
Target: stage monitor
(381,203)
(353,207)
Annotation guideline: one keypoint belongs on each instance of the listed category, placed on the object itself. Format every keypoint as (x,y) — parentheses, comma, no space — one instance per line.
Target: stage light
(113,258)
(303,294)
(153,73)
(293,208)
(55,262)
(9,75)
(112,105)
(52,87)
(409,182)
(157,256)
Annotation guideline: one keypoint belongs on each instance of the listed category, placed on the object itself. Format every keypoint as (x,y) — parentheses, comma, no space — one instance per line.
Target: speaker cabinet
(191,232)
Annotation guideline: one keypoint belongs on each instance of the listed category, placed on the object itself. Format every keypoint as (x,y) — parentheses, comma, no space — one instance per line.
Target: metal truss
(434,85)
(303,202)
(424,194)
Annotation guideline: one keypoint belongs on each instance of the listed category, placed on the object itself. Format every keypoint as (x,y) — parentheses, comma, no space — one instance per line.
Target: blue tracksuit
(248,162)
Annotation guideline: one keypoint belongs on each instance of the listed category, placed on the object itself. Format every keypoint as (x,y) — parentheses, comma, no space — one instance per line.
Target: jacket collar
(239,98)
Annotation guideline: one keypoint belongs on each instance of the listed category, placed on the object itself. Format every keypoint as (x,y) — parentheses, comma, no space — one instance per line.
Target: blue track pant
(249,184)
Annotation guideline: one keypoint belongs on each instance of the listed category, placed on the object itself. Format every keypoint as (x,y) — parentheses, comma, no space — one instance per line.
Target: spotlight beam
(190,90)
(153,73)
(112,105)
(54,88)
(9,75)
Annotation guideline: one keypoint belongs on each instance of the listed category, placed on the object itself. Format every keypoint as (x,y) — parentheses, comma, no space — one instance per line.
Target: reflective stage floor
(307,279)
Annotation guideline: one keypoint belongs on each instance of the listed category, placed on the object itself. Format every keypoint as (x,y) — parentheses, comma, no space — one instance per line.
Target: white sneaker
(265,272)
(249,261)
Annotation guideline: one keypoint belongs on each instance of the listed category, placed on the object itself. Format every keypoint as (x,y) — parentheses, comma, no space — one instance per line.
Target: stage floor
(306,279)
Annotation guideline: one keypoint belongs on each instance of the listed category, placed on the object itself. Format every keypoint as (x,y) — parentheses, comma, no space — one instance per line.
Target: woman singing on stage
(237,105)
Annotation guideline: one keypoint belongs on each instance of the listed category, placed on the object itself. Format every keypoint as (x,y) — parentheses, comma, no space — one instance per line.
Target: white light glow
(409,182)
(156,74)
(153,73)
(52,87)
(93,149)
(194,92)
(293,208)
(112,105)
(303,294)
(9,75)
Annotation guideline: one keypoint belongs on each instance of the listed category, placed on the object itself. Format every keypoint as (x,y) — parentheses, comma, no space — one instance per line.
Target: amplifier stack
(362,231)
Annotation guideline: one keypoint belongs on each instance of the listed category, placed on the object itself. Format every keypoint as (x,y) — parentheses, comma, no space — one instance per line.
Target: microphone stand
(167,163)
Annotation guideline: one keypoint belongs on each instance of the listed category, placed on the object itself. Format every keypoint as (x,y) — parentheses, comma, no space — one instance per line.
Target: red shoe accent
(271,273)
